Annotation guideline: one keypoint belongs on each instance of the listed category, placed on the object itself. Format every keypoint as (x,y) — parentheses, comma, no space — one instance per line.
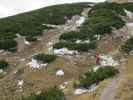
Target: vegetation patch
(73,36)
(3,64)
(51,94)
(7,35)
(94,77)
(44,58)
(81,47)
(7,41)
(117,8)
(31,38)
(8,44)
(31,23)
(100,22)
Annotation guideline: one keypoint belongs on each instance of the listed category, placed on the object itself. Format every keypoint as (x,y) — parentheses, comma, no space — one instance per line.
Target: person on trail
(97,58)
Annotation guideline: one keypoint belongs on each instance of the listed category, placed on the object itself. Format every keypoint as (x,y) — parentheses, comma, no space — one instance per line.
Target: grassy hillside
(30,24)
(102,18)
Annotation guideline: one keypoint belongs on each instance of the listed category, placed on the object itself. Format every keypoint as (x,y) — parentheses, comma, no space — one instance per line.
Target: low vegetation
(31,38)
(44,58)
(101,21)
(7,41)
(51,94)
(73,36)
(31,24)
(128,46)
(92,77)
(7,35)
(102,18)
(117,8)
(8,45)
(3,64)
(81,47)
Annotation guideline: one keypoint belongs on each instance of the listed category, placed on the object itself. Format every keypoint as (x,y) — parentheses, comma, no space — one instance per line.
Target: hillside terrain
(79,51)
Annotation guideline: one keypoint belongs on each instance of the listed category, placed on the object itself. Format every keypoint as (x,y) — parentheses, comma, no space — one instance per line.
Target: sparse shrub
(3,64)
(51,94)
(81,47)
(8,44)
(31,38)
(72,36)
(44,58)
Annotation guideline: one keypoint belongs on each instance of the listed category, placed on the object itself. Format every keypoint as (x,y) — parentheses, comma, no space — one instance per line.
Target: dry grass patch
(125,91)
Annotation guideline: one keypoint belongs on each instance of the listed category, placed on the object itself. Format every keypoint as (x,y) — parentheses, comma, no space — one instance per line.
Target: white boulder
(60,73)
(80,41)
(80,91)
(62,87)
(64,51)
(27,42)
(80,21)
(20,83)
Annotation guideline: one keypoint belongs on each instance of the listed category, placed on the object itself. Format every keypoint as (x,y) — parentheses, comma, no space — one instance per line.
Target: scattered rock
(107,60)
(60,73)
(80,91)
(27,42)
(64,51)
(36,65)
(128,13)
(80,41)
(20,83)
(63,86)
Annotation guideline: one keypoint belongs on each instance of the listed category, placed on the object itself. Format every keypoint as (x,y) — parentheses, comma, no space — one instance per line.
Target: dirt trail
(110,91)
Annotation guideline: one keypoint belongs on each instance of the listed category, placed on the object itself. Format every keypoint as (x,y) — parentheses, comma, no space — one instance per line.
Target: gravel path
(109,92)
